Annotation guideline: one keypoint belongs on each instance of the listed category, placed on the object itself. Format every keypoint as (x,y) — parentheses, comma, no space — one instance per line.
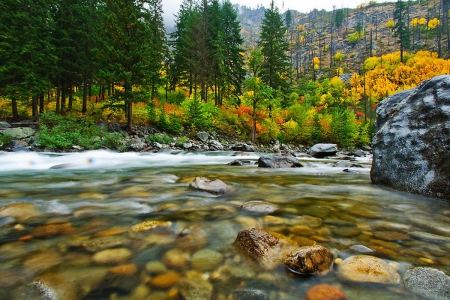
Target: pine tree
(26,50)
(401,29)
(128,46)
(275,66)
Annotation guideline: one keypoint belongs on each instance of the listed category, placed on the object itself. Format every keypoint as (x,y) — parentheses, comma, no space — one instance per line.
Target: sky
(171,7)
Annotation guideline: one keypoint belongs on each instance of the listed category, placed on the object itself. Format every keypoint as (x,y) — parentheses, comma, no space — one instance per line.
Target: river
(72,206)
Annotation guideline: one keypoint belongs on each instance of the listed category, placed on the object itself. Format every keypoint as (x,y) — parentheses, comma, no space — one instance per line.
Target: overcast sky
(171,7)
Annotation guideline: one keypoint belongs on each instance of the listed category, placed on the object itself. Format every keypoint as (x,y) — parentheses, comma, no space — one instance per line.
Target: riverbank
(149,139)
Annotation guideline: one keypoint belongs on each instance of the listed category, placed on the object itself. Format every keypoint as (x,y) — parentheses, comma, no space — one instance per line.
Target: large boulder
(278,161)
(20,132)
(323,150)
(428,282)
(412,138)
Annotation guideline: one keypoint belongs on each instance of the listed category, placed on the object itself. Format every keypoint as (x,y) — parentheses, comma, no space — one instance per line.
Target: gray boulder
(243,147)
(211,186)
(215,145)
(19,132)
(428,282)
(203,136)
(323,150)
(278,161)
(411,145)
(5,125)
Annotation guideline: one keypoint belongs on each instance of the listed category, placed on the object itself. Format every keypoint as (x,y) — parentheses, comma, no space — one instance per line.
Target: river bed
(105,225)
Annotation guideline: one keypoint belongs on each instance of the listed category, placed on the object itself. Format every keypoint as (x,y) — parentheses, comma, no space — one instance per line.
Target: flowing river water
(68,208)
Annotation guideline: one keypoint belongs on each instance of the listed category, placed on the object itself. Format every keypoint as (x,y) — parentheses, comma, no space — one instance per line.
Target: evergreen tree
(128,44)
(401,29)
(274,48)
(229,54)
(26,51)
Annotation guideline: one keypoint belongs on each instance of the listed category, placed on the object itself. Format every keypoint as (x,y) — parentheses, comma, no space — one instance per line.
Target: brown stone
(20,211)
(175,258)
(42,261)
(165,280)
(148,225)
(263,246)
(127,269)
(310,260)
(53,230)
(325,292)
(391,235)
(365,268)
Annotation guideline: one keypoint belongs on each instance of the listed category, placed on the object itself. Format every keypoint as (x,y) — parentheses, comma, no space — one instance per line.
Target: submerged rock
(365,268)
(264,247)
(20,211)
(259,207)
(323,150)
(278,161)
(211,186)
(195,289)
(325,292)
(206,259)
(412,139)
(310,260)
(428,282)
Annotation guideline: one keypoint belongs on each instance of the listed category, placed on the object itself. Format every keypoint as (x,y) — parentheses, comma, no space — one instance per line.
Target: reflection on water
(82,230)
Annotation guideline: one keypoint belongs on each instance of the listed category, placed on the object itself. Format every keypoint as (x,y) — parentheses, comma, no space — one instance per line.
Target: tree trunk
(129,107)
(15,111)
(85,87)
(63,97)
(58,94)
(41,103)
(34,107)
(70,96)
(254,121)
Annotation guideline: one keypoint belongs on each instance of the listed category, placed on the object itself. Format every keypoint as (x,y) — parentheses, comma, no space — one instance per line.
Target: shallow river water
(79,226)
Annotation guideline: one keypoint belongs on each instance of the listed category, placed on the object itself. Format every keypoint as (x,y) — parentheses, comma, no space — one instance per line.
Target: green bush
(181,141)
(4,140)
(161,138)
(58,132)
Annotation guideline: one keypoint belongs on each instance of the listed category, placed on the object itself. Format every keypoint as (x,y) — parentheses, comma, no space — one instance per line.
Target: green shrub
(181,141)
(161,138)
(58,132)
(4,139)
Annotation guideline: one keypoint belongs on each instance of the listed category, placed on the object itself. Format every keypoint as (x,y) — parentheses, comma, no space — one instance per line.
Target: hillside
(316,34)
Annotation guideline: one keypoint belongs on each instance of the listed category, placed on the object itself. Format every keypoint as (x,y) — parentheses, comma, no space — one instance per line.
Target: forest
(305,78)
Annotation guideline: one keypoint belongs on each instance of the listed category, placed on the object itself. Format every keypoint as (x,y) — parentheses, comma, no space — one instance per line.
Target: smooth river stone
(41,261)
(301,230)
(112,256)
(166,280)
(195,289)
(347,231)
(365,268)
(211,186)
(155,267)
(101,243)
(310,221)
(175,258)
(55,287)
(429,237)
(391,235)
(48,230)
(259,207)
(149,225)
(435,227)
(127,269)
(206,259)
(325,292)
(19,211)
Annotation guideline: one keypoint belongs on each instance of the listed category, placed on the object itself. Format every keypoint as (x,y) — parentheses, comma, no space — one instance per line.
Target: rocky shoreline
(23,138)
